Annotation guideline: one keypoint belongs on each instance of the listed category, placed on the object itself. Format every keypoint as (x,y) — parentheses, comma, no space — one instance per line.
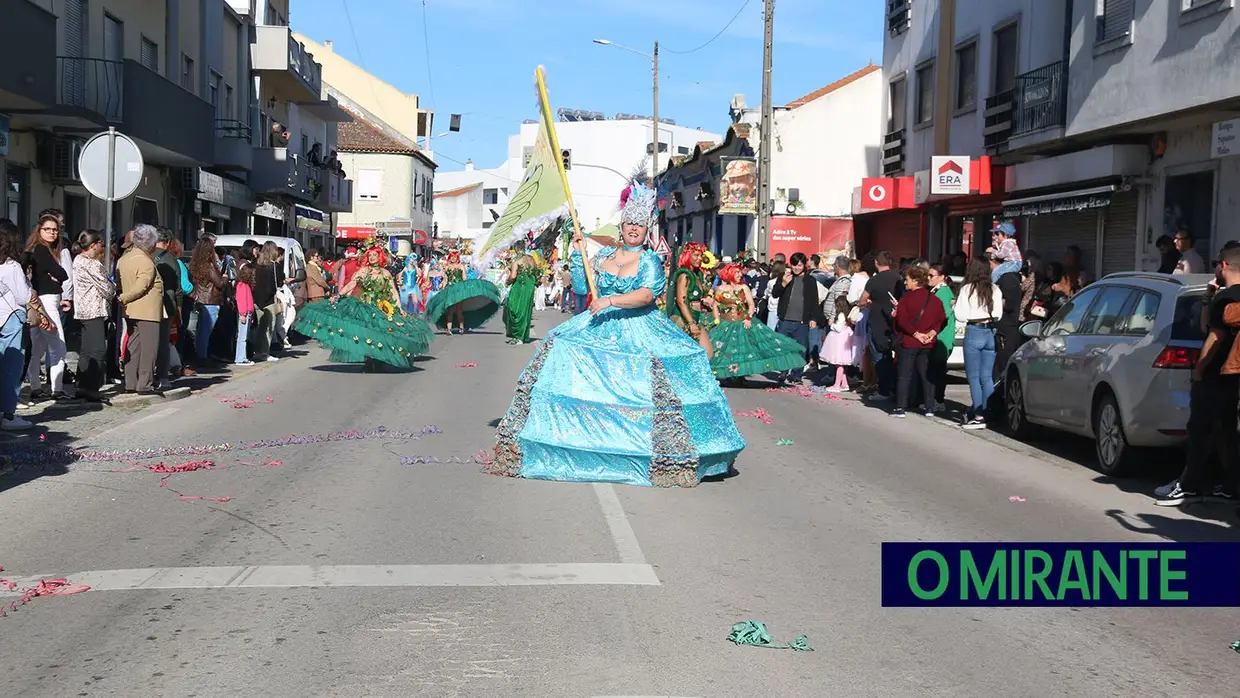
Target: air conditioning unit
(191,179)
(62,160)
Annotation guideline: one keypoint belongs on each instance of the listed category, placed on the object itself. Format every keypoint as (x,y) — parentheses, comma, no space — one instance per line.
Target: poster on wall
(738,192)
(829,237)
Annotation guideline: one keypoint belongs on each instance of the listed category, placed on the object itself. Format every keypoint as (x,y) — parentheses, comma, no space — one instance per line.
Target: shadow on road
(1214,523)
(360,369)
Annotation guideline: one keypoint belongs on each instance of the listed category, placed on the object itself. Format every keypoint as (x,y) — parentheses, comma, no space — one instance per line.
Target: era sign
(949,174)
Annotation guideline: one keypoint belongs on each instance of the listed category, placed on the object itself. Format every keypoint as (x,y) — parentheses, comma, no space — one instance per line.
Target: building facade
(393,185)
(1077,121)
(469,201)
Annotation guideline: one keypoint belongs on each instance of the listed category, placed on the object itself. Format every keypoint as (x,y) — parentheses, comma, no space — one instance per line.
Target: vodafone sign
(878,193)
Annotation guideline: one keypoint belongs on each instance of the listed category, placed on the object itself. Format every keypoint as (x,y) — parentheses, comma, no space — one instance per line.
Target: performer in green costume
(744,347)
(463,303)
(519,304)
(689,302)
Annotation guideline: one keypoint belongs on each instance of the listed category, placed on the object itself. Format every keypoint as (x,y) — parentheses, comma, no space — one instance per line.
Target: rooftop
(842,82)
(458,191)
(361,136)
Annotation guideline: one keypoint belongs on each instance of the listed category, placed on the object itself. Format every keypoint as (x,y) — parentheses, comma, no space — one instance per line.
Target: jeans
(816,338)
(50,344)
(93,355)
(566,300)
(208,315)
(884,363)
(798,331)
(266,330)
(1212,413)
(979,364)
(579,303)
(12,358)
(913,360)
(243,332)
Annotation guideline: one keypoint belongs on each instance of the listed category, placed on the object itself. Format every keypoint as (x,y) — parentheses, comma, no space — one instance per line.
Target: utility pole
(764,150)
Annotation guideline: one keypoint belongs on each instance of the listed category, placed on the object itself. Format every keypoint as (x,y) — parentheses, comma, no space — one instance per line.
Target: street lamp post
(654,59)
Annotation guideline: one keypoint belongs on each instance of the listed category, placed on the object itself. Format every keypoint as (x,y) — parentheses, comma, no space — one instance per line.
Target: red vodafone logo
(878,193)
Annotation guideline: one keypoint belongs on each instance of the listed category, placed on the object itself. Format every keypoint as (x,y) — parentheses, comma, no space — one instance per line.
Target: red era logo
(950,166)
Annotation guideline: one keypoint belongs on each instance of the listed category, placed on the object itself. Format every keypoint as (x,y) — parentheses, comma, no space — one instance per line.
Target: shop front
(223,206)
(313,227)
(886,217)
(829,237)
(270,219)
(1101,221)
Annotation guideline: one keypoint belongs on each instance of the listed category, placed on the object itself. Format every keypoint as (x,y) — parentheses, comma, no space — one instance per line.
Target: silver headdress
(639,205)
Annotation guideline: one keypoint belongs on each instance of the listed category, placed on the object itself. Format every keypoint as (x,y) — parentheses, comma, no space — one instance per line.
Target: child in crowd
(245,312)
(837,350)
(1005,249)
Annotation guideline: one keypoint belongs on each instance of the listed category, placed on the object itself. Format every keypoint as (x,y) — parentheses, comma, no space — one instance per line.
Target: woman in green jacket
(941,287)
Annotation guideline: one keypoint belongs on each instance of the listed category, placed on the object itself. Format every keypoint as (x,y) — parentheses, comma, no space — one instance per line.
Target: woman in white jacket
(979,306)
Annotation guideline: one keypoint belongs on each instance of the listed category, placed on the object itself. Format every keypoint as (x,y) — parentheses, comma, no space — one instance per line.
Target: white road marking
(289,576)
(621,532)
(125,425)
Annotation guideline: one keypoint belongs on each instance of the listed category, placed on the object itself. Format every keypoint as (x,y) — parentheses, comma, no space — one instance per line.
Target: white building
(469,201)
(822,143)
(602,156)
(393,183)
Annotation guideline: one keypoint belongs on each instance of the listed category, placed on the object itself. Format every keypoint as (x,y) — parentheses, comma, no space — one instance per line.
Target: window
(369,184)
(925,94)
(898,102)
(527,153)
(1107,315)
(1187,321)
(1113,19)
(490,196)
(1139,320)
(504,190)
(682,150)
(487,224)
(650,147)
(899,16)
(966,76)
(1070,316)
(148,55)
(113,38)
(213,91)
(429,204)
(1007,42)
(187,73)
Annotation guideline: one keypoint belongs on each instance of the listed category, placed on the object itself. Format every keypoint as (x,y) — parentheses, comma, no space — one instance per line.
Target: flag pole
(544,105)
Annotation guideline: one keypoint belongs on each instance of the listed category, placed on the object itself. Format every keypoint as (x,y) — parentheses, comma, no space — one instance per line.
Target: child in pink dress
(838,348)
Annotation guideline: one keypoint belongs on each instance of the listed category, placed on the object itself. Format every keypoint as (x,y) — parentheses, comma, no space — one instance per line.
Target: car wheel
(1014,400)
(1110,442)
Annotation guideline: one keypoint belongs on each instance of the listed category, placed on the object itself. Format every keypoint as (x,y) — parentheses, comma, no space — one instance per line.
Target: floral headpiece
(687,252)
(708,260)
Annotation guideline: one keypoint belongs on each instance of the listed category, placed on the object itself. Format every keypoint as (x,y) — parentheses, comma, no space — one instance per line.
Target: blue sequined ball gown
(623,396)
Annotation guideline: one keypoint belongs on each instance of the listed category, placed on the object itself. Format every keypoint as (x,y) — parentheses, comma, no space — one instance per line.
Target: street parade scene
(877,387)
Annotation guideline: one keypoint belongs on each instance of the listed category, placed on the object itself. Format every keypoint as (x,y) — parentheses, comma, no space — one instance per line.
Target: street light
(654,152)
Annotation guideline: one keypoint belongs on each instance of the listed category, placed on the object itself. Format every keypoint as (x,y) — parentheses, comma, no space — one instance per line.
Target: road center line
(621,531)
(291,576)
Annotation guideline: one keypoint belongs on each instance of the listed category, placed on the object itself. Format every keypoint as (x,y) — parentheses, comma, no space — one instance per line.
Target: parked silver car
(1113,365)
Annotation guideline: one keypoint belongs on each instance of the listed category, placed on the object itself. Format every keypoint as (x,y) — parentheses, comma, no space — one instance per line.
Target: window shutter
(1116,20)
(369,183)
(149,56)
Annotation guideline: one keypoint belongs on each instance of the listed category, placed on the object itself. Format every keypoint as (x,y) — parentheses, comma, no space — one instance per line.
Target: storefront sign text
(1068,205)
(1224,142)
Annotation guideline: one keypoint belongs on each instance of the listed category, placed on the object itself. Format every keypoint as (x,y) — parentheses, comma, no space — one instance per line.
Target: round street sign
(877,193)
(93,166)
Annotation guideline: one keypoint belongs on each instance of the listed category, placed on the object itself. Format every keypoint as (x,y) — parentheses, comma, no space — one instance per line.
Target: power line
(712,39)
(426,43)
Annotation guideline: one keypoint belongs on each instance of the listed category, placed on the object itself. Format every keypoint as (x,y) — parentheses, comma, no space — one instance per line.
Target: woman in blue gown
(619,394)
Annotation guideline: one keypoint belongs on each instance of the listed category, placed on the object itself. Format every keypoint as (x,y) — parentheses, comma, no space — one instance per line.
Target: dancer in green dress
(743,347)
(463,304)
(519,304)
(366,324)
(689,302)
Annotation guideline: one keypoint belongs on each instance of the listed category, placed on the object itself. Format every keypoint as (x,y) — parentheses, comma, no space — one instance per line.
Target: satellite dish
(792,209)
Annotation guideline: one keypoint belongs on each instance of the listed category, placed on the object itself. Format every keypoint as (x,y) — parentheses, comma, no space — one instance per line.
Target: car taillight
(1177,357)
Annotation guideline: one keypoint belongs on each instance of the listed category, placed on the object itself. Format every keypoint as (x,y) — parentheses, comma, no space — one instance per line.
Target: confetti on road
(785,442)
(467,364)
(759,414)
(753,633)
(483,457)
(243,403)
(811,392)
(1236,645)
(45,587)
(1016,498)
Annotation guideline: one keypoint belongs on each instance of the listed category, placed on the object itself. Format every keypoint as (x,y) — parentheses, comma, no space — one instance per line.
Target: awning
(1060,202)
(354,232)
(311,219)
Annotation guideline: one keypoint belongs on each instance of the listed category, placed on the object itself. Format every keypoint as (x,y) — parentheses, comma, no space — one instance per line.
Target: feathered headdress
(638,202)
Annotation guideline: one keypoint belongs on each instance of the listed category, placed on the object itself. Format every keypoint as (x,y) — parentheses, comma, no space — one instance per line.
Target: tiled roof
(847,79)
(361,136)
(458,191)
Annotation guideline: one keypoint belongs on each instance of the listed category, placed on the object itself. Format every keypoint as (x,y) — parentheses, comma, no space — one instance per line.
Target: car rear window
(1187,323)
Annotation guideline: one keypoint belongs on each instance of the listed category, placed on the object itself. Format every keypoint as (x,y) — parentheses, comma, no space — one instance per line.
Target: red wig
(383,260)
(454,257)
(686,255)
(730,274)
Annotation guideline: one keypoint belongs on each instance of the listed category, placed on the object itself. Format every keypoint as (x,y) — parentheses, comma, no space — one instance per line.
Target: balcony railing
(1038,102)
(92,84)
(1041,98)
(893,152)
(231,128)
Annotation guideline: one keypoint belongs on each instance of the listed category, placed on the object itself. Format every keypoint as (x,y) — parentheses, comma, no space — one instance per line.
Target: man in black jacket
(800,309)
(170,273)
(1007,335)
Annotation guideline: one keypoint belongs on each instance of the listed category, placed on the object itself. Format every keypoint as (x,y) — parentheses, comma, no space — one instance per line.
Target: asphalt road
(340,571)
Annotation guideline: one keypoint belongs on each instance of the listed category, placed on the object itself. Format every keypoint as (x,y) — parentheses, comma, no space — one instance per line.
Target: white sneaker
(272,359)
(247,362)
(14,423)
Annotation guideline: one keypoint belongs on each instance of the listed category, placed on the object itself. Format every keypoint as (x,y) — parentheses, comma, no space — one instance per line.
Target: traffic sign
(125,174)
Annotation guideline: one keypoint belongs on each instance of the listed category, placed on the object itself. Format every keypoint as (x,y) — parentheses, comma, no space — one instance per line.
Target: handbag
(854,315)
(36,315)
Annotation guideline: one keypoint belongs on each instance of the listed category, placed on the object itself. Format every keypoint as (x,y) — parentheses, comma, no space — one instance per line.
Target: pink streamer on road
(46,587)
(467,364)
(760,414)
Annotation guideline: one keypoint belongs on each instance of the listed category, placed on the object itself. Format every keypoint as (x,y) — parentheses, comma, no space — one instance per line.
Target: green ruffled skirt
(741,352)
(480,300)
(355,332)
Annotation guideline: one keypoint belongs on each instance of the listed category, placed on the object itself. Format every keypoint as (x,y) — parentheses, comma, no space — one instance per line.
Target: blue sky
(483,54)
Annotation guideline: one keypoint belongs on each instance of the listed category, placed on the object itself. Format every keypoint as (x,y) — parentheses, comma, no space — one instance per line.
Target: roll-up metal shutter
(1050,235)
(899,234)
(1119,235)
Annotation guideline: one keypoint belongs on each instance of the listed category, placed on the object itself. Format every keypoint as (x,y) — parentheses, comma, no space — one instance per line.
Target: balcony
(90,91)
(280,172)
(893,153)
(233,148)
(335,194)
(28,52)
(1037,105)
(176,126)
(283,60)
